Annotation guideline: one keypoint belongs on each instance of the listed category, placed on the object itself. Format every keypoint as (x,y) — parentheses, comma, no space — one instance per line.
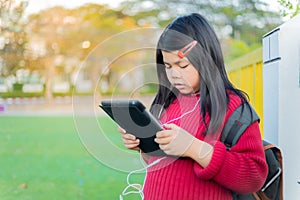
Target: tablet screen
(133,116)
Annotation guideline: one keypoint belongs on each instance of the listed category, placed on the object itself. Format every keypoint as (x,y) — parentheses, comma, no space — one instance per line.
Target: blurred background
(43,44)
(56,53)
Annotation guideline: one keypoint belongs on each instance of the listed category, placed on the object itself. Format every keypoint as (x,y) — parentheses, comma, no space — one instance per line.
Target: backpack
(237,123)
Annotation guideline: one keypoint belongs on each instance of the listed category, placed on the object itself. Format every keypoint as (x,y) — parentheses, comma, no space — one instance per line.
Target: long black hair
(208,60)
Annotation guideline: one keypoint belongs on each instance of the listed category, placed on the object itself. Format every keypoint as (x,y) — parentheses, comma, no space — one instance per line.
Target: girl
(194,101)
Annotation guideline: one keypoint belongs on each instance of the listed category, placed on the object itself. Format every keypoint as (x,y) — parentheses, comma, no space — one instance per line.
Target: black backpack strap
(237,123)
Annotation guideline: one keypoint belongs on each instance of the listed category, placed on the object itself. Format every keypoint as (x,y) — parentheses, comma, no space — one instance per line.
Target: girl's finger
(128,136)
(130,144)
(163,134)
(163,140)
(165,148)
(129,141)
(170,126)
(121,130)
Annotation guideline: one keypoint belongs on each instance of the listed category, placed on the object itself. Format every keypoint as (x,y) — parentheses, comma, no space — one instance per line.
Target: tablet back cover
(132,116)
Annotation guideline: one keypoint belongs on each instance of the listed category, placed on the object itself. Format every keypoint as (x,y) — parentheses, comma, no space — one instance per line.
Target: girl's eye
(184,66)
(180,66)
(168,66)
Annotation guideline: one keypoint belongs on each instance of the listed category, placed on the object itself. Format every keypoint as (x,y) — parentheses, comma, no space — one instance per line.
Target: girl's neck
(197,94)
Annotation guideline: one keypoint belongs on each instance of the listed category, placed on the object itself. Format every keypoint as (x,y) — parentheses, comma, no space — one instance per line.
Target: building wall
(281,76)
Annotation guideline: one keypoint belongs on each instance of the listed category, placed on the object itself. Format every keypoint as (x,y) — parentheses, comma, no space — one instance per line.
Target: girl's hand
(174,140)
(129,140)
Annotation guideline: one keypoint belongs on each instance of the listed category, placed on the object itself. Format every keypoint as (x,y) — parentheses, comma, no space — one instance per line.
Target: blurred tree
(59,35)
(12,36)
(288,8)
(237,48)
(241,20)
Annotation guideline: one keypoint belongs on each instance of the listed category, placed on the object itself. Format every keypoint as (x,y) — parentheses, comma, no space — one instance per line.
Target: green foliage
(17,87)
(21,94)
(12,36)
(247,20)
(239,48)
(288,8)
(73,34)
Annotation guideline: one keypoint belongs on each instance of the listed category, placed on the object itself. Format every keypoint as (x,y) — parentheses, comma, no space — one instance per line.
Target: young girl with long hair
(194,100)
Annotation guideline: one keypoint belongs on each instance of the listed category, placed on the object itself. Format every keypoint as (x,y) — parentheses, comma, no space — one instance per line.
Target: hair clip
(186,49)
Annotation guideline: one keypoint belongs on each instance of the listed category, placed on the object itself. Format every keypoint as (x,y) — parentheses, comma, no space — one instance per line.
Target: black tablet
(133,116)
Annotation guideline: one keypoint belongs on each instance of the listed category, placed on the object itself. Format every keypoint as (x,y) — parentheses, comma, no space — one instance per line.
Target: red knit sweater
(243,169)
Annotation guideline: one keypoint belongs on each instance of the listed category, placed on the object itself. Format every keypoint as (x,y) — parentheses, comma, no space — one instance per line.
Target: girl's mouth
(179,85)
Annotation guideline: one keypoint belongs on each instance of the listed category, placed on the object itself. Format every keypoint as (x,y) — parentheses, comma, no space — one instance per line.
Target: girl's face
(181,73)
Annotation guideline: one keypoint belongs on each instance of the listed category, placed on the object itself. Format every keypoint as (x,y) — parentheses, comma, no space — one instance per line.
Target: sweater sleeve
(242,169)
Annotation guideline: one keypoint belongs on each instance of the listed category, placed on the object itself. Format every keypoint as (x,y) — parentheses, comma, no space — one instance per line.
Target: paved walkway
(59,106)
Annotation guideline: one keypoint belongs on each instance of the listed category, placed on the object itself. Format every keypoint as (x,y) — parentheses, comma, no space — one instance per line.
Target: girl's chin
(185,90)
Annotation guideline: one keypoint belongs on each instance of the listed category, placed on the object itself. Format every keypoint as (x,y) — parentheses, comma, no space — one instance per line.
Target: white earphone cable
(184,114)
(138,188)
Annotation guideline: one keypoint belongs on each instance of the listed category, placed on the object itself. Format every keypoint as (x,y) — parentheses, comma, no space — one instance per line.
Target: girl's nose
(175,73)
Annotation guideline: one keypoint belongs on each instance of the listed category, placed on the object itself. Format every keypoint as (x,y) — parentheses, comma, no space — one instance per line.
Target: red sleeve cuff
(213,168)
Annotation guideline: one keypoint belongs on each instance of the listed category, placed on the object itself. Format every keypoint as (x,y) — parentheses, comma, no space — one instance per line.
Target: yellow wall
(246,74)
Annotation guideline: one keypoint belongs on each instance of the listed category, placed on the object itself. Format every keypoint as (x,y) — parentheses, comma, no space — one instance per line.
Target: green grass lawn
(44,158)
